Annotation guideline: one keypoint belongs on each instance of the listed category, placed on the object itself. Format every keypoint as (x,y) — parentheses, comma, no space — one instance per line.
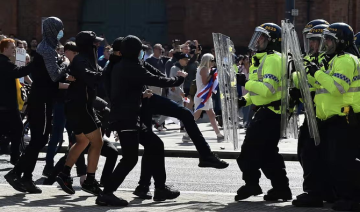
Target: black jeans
(158,105)
(342,147)
(40,116)
(108,150)
(11,125)
(153,152)
(260,150)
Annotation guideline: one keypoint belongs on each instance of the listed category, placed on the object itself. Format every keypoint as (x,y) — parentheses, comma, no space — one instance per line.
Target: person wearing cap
(175,93)
(48,70)
(80,113)
(128,78)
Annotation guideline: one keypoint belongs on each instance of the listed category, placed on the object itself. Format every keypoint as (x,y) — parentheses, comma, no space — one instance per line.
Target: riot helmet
(266,37)
(307,29)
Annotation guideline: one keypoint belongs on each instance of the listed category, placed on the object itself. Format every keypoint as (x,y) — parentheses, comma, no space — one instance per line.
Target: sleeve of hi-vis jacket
(271,78)
(340,81)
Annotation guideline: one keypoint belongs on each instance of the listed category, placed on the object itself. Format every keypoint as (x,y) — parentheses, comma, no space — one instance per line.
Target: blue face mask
(141,55)
(60,35)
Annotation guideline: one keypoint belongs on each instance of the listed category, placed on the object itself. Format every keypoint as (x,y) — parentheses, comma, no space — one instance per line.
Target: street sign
(294,12)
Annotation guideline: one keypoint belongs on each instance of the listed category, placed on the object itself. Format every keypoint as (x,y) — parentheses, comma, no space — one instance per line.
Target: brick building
(165,20)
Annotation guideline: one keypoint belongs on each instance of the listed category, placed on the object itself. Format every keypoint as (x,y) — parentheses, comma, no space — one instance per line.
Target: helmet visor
(306,43)
(259,39)
(328,43)
(313,43)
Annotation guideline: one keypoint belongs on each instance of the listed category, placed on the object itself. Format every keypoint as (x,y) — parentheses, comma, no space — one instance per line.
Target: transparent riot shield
(289,117)
(225,61)
(294,46)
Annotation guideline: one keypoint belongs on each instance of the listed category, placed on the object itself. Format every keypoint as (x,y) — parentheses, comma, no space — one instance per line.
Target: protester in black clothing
(128,78)
(10,120)
(48,70)
(80,113)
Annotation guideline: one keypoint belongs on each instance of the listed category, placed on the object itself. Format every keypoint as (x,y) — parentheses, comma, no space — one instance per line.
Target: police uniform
(336,102)
(260,148)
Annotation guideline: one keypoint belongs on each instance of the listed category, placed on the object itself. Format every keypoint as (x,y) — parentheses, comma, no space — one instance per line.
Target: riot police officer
(260,148)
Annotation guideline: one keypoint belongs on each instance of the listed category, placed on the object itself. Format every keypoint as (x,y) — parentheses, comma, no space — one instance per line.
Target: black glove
(241,79)
(295,94)
(292,65)
(241,102)
(312,68)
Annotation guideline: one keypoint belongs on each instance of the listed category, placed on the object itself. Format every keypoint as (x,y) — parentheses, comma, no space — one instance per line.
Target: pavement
(175,147)
(54,200)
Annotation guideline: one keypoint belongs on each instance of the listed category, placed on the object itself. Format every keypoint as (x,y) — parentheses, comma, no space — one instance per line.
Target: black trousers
(342,146)
(153,152)
(158,105)
(260,150)
(313,161)
(11,125)
(40,116)
(108,150)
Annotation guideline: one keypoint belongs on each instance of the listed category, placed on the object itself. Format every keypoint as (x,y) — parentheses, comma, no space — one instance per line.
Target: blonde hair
(205,61)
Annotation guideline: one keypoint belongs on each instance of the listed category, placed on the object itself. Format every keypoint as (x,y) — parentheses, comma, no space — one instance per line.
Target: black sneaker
(65,183)
(247,191)
(278,194)
(30,186)
(47,170)
(308,200)
(14,180)
(143,192)
(213,161)
(110,200)
(165,193)
(92,187)
(345,205)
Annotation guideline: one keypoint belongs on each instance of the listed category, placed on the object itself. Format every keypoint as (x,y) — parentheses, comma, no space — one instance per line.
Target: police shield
(294,47)
(289,117)
(225,61)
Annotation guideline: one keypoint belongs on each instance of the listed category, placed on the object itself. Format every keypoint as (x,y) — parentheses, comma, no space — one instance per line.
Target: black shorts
(81,118)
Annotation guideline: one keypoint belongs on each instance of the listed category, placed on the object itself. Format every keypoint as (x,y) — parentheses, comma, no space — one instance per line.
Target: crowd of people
(131,87)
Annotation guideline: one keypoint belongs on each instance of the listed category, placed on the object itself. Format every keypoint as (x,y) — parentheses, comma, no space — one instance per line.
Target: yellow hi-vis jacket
(331,96)
(352,97)
(264,83)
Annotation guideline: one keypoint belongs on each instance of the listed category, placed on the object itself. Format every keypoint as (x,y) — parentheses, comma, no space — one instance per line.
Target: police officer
(335,109)
(260,148)
(306,30)
(308,153)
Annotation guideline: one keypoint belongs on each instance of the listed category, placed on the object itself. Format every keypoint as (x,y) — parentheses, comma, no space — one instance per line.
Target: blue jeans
(57,132)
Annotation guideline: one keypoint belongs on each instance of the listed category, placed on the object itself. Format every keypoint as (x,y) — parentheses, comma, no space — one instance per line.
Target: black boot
(276,194)
(30,186)
(247,191)
(14,180)
(308,200)
(213,161)
(143,192)
(165,193)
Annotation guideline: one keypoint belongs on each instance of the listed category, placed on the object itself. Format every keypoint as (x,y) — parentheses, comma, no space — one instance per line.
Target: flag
(205,93)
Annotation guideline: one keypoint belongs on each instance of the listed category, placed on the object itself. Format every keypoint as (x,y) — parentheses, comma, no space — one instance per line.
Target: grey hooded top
(47,48)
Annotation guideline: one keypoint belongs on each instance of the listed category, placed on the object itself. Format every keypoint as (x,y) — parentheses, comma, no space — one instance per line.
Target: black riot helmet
(272,34)
(313,39)
(307,29)
(357,40)
(337,38)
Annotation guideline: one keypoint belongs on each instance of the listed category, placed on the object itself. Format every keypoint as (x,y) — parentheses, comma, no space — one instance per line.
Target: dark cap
(87,37)
(117,44)
(183,56)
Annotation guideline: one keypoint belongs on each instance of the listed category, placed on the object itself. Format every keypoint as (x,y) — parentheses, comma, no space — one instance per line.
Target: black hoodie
(128,78)
(86,71)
